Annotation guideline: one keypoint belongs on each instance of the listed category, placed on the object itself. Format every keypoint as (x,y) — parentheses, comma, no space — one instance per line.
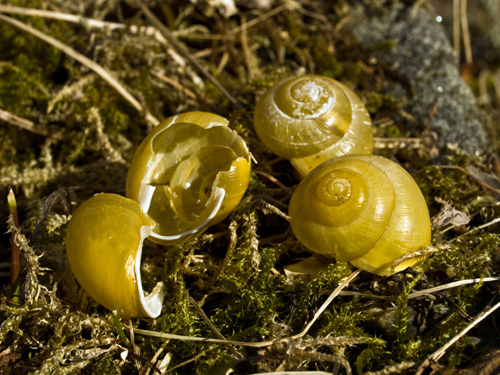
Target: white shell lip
(153,302)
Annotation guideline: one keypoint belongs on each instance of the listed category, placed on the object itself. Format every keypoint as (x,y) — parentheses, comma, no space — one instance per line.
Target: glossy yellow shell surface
(104,246)
(310,119)
(189,173)
(362,209)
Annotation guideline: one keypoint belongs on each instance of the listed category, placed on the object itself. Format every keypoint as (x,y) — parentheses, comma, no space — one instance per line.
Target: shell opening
(218,197)
(192,182)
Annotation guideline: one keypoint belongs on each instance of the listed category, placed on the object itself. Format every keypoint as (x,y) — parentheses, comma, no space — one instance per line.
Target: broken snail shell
(189,173)
(104,246)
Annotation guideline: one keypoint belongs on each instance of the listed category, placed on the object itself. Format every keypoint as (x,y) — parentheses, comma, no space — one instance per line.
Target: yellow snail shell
(362,209)
(189,173)
(104,246)
(310,119)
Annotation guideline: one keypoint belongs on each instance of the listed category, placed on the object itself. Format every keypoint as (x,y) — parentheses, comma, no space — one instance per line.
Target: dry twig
(28,125)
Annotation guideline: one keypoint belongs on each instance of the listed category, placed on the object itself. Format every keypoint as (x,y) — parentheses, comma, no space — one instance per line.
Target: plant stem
(118,325)
(15,252)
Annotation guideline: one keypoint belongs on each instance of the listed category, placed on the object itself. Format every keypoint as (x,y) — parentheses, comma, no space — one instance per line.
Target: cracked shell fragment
(189,173)
(104,246)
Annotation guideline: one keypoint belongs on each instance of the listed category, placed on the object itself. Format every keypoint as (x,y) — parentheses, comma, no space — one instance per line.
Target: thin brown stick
(456,27)
(103,73)
(246,49)
(283,187)
(175,84)
(259,19)
(429,120)
(317,16)
(465,32)
(223,62)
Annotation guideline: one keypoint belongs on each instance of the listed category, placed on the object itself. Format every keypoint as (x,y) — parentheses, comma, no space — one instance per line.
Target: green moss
(392,132)
(308,293)
(250,301)
(371,358)
(328,65)
(377,102)
(404,348)
(104,365)
(449,185)
(235,270)
(21,88)
(469,257)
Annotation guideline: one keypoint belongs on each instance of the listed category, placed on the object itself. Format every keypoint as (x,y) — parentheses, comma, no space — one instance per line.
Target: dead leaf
(449,216)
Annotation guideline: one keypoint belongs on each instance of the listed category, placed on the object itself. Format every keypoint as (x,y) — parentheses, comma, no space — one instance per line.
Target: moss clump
(236,272)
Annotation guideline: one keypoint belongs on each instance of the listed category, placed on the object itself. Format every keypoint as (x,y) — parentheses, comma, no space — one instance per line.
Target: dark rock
(424,69)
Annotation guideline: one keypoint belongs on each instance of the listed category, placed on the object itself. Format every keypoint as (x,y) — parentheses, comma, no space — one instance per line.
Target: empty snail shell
(189,173)
(310,119)
(362,209)
(104,246)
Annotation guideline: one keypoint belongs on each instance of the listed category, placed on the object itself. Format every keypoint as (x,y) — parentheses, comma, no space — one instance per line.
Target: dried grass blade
(454,284)
(170,336)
